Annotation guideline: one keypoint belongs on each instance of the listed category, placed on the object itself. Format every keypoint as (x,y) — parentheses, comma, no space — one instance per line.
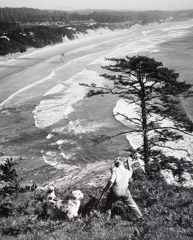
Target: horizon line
(101,9)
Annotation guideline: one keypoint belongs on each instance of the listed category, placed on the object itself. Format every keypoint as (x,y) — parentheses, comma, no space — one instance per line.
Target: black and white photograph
(96,120)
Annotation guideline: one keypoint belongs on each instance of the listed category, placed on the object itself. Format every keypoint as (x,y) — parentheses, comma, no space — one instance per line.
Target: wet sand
(24,81)
(19,136)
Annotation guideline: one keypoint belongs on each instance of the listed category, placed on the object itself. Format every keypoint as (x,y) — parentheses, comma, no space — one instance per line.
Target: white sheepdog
(71,207)
(51,195)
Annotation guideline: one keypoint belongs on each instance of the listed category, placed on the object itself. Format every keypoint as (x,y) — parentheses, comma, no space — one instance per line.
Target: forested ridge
(15,37)
(21,28)
(24,15)
(143,17)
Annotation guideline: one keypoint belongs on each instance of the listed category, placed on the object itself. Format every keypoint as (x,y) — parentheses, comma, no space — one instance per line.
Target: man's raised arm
(129,166)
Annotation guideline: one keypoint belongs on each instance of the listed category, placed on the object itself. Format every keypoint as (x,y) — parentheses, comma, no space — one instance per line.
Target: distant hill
(21,28)
(17,37)
(24,15)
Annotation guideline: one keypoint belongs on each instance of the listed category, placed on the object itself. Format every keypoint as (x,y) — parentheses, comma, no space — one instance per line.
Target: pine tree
(9,176)
(154,90)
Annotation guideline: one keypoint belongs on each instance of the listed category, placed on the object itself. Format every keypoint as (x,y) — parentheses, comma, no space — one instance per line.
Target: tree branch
(129,119)
(176,149)
(103,138)
(173,128)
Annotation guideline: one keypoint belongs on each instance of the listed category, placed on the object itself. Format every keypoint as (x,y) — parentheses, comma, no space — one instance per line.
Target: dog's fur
(71,207)
(68,208)
(50,194)
(45,193)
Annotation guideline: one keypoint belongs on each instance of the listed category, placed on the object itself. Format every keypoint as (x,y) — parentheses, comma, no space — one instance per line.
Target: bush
(9,176)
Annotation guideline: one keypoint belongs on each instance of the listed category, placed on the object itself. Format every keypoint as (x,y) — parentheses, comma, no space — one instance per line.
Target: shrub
(9,176)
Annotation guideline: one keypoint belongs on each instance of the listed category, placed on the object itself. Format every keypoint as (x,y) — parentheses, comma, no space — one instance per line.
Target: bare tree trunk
(144,128)
(145,135)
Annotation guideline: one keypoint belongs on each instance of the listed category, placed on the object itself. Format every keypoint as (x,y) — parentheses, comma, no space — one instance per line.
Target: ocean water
(73,121)
(178,54)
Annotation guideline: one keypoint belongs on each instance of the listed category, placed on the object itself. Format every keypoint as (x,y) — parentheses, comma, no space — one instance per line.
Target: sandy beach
(24,81)
(32,82)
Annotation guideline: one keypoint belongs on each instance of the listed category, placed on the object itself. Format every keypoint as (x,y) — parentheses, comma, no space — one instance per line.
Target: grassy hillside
(167,210)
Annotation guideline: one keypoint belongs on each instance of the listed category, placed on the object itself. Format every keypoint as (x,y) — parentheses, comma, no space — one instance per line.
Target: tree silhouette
(155,91)
(9,176)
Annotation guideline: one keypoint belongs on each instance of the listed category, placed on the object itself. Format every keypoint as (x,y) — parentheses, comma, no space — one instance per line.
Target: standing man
(118,185)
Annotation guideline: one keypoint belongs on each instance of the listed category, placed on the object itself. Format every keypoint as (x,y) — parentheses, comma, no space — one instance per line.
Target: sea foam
(148,41)
(58,102)
(124,111)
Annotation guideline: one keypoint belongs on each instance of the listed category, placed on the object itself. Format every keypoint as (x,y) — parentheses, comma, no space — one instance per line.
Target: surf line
(50,76)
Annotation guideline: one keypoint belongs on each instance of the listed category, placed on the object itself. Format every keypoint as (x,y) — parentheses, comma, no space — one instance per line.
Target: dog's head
(50,189)
(77,194)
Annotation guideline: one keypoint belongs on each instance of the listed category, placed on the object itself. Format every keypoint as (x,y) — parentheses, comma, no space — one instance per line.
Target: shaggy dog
(50,194)
(45,193)
(58,208)
(71,207)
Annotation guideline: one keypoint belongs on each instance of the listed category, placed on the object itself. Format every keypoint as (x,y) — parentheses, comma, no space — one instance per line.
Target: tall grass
(167,210)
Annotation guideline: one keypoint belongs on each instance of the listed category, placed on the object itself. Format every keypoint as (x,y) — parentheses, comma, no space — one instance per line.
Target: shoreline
(80,36)
(37,160)
(32,166)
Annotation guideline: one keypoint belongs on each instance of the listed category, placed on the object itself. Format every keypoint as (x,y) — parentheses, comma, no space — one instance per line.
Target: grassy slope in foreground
(167,210)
